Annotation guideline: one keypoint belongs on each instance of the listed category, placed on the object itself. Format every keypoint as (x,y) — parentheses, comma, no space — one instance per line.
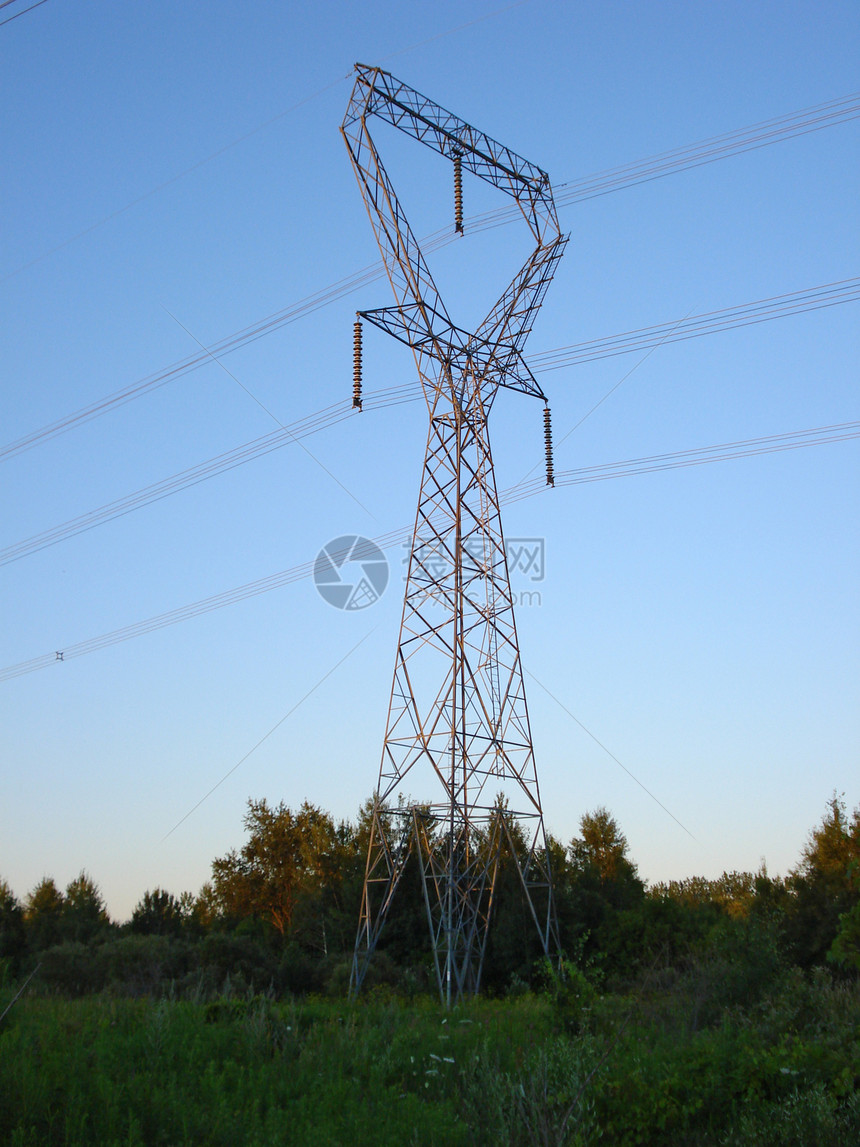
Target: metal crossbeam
(458,728)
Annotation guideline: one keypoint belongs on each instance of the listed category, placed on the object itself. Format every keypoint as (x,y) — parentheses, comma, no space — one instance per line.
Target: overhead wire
(183,613)
(191,362)
(736,142)
(747,448)
(608,752)
(255,398)
(23,11)
(240,139)
(309,693)
(630,175)
(722,452)
(829,114)
(693,326)
(173,178)
(783,127)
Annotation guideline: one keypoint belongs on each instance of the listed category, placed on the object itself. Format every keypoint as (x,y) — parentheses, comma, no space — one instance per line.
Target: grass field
(568,1066)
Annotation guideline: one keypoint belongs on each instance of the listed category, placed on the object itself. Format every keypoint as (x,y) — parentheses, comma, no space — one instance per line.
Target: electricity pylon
(457,718)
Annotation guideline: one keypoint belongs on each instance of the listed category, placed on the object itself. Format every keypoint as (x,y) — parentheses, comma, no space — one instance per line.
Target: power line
(784,127)
(233,143)
(184,480)
(724,452)
(647,338)
(608,752)
(737,142)
(273,729)
(747,448)
(183,613)
(186,365)
(693,326)
(173,179)
(23,11)
(278,422)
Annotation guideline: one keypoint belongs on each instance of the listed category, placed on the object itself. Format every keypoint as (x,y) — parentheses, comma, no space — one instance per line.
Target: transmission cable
(748,448)
(747,314)
(829,114)
(693,326)
(736,142)
(23,11)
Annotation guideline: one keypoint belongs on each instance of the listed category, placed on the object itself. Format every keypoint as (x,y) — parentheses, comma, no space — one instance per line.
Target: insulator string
(547,438)
(458,193)
(356,364)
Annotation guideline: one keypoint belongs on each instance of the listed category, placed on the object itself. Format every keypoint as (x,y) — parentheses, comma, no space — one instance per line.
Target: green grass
(172,1072)
(571,1069)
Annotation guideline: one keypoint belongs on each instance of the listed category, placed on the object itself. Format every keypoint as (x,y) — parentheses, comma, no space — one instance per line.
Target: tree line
(280,913)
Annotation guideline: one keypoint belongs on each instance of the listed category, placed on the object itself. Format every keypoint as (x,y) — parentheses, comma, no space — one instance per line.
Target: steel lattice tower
(457,719)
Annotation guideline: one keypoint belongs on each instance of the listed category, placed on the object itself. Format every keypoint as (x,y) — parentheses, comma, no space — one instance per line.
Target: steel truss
(457,718)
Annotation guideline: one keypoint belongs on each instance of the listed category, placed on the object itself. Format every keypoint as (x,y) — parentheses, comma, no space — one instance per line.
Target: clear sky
(173,173)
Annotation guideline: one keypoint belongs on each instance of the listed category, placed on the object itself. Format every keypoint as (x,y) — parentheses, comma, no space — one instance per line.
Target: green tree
(158,913)
(600,851)
(733,893)
(13,938)
(833,845)
(599,883)
(845,949)
(204,909)
(821,888)
(83,916)
(602,848)
(404,941)
(43,914)
(514,952)
(287,855)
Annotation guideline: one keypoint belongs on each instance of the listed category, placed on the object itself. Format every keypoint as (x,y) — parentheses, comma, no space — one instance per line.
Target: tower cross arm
(508,368)
(509,323)
(388,99)
(405,266)
(408,324)
(511,318)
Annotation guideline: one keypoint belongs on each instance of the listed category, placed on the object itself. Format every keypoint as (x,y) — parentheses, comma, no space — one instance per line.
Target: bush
(806,1117)
(144,965)
(73,969)
(300,973)
(228,955)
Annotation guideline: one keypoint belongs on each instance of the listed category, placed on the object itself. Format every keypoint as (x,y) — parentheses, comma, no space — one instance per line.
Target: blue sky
(701,623)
